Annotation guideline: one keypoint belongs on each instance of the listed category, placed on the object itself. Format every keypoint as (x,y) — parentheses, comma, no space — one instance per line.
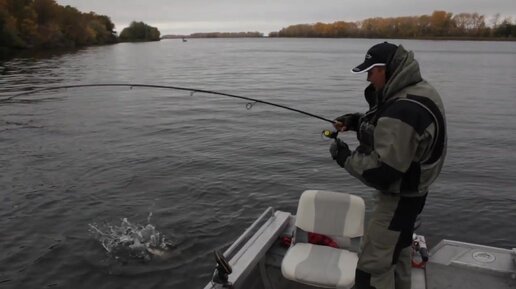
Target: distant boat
(184,39)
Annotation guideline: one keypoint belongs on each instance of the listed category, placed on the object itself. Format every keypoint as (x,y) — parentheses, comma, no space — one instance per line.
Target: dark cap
(378,55)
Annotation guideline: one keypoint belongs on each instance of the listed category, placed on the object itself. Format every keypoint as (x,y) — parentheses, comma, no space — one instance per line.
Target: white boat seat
(321,266)
(331,214)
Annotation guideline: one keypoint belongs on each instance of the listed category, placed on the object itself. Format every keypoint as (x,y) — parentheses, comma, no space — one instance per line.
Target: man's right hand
(339,126)
(349,121)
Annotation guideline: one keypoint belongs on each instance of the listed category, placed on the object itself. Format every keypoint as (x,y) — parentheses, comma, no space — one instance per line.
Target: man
(402,148)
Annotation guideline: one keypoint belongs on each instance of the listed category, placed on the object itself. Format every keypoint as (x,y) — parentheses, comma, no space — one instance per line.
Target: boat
(274,252)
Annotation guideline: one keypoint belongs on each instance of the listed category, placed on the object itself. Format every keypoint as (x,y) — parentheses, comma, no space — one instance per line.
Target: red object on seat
(313,238)
(319,239)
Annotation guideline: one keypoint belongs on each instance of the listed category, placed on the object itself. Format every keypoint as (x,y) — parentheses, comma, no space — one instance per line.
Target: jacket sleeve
(396,139)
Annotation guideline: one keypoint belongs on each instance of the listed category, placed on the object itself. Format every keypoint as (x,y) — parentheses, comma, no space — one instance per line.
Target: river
(205,166)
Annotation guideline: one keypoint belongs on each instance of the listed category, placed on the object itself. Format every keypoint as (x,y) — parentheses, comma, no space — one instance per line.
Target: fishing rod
(326,133)
(192,90)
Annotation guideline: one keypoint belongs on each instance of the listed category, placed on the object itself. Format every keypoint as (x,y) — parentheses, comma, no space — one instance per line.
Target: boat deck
(452,264)
(455,264)
(268,275)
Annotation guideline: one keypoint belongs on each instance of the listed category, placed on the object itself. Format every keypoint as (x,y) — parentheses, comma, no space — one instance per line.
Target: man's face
(376,76)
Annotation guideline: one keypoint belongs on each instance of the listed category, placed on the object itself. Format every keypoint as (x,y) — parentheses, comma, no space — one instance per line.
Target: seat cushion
(331,213)
(320,266)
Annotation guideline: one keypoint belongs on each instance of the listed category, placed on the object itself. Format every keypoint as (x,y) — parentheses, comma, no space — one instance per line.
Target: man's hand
(339,151)
(349,121)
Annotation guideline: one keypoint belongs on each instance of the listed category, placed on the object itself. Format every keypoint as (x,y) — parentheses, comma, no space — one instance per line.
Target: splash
(131,241)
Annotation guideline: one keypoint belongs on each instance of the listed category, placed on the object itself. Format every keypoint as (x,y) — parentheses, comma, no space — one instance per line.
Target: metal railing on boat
(269,212)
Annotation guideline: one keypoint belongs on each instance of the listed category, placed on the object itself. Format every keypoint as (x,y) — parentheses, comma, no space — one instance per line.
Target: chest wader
(384,261)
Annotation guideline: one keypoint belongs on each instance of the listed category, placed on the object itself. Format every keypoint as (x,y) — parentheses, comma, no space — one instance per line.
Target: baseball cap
(378,55)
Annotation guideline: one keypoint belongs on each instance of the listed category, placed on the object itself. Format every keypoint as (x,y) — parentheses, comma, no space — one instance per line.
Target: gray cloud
(188,16)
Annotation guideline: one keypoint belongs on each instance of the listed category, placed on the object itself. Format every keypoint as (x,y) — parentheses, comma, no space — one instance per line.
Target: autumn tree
(48,30)
(46,11)
(438,24)
(8,27)
(46,24)
(345,29)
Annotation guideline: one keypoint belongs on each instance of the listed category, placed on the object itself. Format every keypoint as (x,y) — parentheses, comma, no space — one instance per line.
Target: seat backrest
(331,213)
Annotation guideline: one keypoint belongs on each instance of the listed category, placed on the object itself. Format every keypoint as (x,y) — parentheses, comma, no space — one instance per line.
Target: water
(130,242)
(205,166)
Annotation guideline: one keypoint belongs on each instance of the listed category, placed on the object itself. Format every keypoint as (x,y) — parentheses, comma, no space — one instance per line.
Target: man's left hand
(339,151)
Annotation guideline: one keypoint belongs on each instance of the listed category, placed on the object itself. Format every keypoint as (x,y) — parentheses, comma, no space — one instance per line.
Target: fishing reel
(222,271)
(329,134)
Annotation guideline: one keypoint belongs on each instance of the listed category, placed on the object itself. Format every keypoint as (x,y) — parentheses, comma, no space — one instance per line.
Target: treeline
(440,24)
(139,31)
(216,35)
(45,24)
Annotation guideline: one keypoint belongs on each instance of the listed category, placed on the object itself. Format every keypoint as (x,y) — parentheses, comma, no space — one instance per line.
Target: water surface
(205,166)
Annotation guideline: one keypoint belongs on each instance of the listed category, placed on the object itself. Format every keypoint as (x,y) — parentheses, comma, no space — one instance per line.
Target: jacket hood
(402,71)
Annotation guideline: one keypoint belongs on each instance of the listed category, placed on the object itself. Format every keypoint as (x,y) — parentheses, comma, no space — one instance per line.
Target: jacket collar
(402,71)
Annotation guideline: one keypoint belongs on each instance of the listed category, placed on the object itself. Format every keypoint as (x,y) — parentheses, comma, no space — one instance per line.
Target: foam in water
(131,241)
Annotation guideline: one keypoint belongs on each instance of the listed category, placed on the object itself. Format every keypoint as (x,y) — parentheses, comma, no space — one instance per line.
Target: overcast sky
(189,16)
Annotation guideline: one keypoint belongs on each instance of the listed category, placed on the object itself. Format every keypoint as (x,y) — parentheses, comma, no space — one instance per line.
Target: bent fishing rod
(326,133)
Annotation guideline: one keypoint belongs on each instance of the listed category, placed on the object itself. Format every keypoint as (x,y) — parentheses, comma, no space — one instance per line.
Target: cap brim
(364,67)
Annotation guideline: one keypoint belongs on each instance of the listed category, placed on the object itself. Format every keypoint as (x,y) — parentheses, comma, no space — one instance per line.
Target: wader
(385,261)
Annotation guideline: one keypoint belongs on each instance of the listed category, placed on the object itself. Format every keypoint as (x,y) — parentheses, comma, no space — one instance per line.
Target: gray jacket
(403,135)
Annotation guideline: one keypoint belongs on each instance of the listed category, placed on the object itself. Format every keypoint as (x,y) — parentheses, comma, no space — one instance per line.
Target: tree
(440,23)
(495,20)
(46,10)
(8,28)
(45,24)
(139,31)
(506,29)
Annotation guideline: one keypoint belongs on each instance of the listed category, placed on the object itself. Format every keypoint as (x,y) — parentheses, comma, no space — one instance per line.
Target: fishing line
(249,105)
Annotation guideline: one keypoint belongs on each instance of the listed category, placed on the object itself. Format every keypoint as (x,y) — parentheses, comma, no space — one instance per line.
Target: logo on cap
(368,56)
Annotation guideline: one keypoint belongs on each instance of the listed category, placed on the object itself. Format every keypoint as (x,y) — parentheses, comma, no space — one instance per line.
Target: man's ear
(383,70)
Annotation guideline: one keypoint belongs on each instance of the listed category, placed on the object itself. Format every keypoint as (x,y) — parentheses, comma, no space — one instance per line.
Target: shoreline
(403,38)
(7,54)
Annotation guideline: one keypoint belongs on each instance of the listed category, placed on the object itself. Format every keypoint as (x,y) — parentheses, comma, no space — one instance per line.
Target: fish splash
(131,241)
